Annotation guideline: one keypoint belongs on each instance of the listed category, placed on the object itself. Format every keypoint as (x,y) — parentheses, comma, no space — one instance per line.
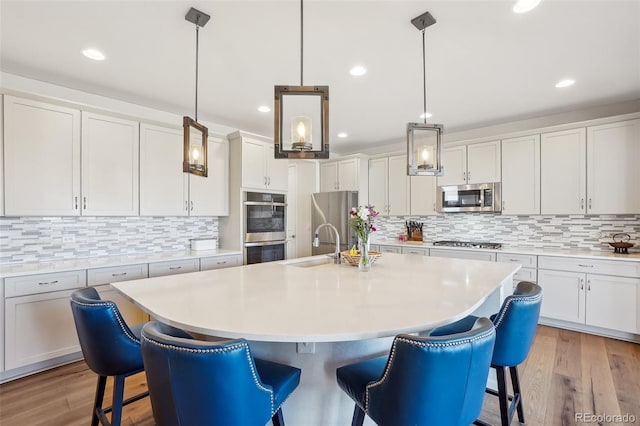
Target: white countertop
(29,268)
(588,254)
(280,302)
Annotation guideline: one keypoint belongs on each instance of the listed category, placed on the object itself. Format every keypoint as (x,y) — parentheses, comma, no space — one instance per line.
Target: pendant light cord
(197,32)
(301,41)
(424,77)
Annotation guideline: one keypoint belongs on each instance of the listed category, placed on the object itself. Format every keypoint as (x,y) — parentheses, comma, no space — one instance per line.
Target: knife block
(416,235)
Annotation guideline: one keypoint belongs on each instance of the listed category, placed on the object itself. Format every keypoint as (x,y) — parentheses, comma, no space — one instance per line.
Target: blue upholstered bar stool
(516,324)
(425,380)
(195,382)
(110,348)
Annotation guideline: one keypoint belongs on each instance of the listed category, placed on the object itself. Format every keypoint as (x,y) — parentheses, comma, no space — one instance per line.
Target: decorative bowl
(354,259)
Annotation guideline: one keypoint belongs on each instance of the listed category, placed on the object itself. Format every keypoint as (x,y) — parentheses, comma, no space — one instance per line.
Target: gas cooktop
(470,244)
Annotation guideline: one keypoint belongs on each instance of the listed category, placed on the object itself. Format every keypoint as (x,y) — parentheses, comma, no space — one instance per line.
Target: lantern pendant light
(301,116)
(195,134)
(424,147)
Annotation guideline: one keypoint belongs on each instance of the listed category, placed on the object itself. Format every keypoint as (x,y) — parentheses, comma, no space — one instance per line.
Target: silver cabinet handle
(85,202)
(464,176)
(222,262)
(48,282)
(186,206)
(269,180)
(589,203)
(503,205)
(585,266)
(581,203)
(468,175)
(76,201)
(588,285)
(581,283)
(122,274)
(265,181)
(293,236)
(174,268)
(514,260)
(191,205)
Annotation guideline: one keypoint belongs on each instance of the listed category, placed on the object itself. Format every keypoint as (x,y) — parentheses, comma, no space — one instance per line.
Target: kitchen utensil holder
(416,235)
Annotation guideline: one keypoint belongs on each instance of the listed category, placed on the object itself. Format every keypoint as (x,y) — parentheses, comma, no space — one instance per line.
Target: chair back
(194,382)
(516,324)
(433,380)
(109,346)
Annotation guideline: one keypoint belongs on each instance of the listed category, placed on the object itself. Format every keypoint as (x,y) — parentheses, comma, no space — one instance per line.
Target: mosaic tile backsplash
(27,239)
(578,232)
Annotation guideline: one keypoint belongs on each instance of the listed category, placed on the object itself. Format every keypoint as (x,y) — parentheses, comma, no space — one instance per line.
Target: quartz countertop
(301,301)
(29,268)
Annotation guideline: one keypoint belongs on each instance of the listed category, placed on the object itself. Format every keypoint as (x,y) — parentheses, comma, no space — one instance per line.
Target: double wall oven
(264,227)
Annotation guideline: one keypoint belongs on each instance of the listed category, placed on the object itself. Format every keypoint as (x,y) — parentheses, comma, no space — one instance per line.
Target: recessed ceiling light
(523,6)
(565,83)
(358,70)
(94,54)
(264,108)
(342,135)
(426,115)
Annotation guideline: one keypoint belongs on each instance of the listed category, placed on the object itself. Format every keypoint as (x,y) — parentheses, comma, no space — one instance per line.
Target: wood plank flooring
(566,373)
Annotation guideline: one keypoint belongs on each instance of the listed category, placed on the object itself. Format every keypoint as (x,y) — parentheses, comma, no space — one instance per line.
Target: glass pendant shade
(195,147)
(301,122)
(424,149)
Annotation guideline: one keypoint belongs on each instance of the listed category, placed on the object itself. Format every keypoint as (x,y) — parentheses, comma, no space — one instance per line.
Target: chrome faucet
(316,241)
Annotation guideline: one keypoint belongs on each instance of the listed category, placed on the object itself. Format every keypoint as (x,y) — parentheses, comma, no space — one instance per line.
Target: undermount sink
(308,263)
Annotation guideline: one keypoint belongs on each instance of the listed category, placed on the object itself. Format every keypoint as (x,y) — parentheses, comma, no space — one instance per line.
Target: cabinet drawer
(159,269)
(525,274)
(217,262)
(464,254)
(44,283)
(390,249)
(591,266)
(526,260)
(415,250)
(100,276)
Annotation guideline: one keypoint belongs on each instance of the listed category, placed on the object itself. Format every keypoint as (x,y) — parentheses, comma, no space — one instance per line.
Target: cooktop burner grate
(471,244)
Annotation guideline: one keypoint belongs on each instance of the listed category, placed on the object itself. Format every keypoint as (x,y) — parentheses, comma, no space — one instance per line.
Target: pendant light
(301,116)
(424,140)
(195,134)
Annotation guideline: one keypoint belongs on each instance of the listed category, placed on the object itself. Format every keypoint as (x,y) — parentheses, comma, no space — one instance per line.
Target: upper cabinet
(423,195)
(260,170)
(346,174)
(389,185)
(613,174)
(473,163)
(41,159)
(521,175)
(110,148)
(165,190)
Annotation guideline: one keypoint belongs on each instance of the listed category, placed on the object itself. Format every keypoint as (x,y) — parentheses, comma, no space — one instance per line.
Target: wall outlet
(306,348)
(69,238)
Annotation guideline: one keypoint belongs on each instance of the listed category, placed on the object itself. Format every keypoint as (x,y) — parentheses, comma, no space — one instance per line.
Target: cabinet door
(209,196)
(348,175)
(613,153)
(563,179)
(563,295)
(110,169)
(38,328)
(454,163)
(521,175)
(277,171)
(423,195)
(164,187)
(131,313)
(253,164)
(463,254)
(378,184)
(612,302)
(47,139)
(483,162)
(398,188)
(329,176)
(219,262)
(173,267)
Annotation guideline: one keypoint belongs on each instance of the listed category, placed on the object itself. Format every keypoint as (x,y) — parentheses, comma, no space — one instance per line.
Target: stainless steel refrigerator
(333,208)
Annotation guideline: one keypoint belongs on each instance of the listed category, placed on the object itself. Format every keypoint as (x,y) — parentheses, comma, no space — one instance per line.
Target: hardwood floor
(566,373)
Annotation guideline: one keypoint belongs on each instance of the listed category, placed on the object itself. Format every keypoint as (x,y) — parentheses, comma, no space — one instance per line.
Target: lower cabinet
(387,249)
(218,262)
(590,298)
(415,250)
(463,254)
(173,267)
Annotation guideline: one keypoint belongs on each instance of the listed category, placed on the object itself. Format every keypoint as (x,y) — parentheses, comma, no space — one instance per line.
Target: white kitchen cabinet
(591,298)
(346,174)
(388,249)
(260,170)
(389,185)
(463,254)
(110,166)
(415,250)
(173,267)
(131,314)
(219,262)
(165,190)
(422,199)
(613,154)
(563,179)
(527,272)
(41,159)
(472,163)
(521,175)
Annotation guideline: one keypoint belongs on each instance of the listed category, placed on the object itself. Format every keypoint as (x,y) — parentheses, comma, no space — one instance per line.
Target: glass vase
(364,265)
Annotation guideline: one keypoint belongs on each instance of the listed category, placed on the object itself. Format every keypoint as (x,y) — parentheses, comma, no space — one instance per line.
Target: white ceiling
(485,64)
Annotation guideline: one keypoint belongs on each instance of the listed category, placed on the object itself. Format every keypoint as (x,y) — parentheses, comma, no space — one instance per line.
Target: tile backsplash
(581,232)
(26,239)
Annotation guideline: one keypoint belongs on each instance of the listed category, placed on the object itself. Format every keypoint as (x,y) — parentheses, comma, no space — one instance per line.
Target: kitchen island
(317,316)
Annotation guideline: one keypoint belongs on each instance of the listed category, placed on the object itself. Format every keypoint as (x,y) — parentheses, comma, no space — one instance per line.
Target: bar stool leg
(358,417)
(502,395)
(278,419)
(118,393)
(517,396)
(97,405)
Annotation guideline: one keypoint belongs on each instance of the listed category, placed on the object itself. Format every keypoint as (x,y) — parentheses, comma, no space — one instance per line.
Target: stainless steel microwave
(485,197)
